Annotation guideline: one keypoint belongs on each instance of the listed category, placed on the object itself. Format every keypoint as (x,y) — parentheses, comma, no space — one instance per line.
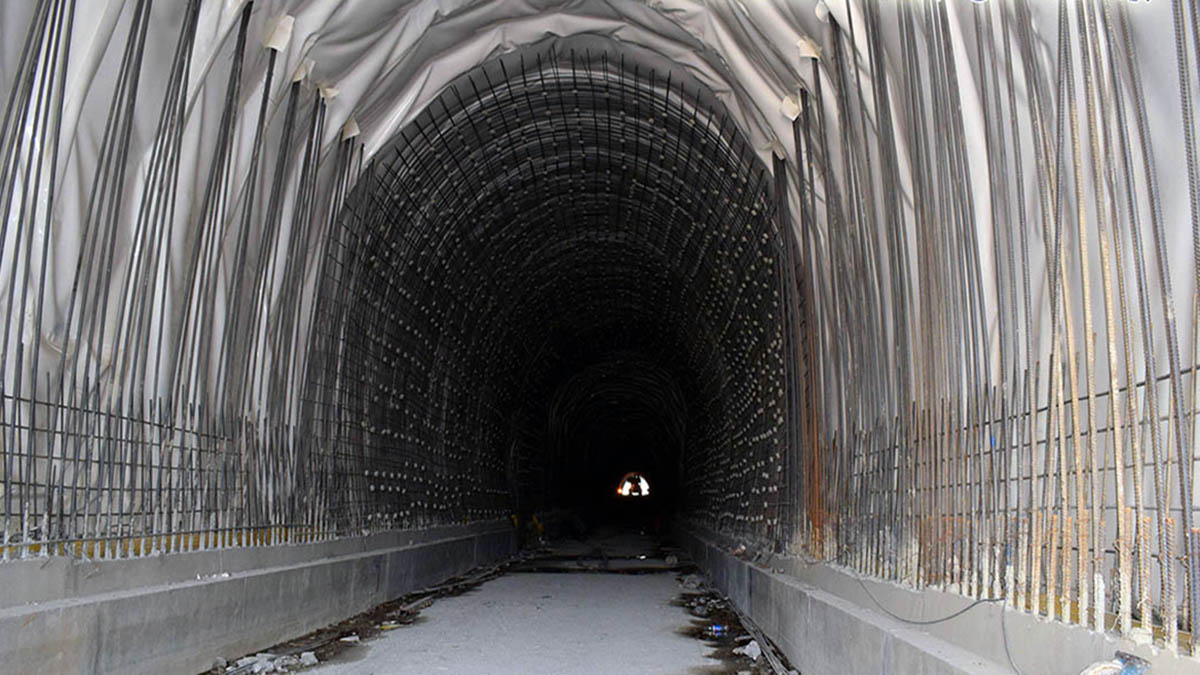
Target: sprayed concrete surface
(542,623)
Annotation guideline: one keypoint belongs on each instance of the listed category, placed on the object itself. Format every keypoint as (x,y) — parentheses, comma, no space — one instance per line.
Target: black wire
(948,617)
(929,622)
(1004,634)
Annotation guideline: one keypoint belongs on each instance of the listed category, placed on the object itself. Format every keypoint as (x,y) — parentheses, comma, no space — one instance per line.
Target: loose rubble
(265,662)
(718,623)
(751,650)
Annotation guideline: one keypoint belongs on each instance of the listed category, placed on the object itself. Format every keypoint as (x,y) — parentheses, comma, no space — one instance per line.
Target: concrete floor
(542,623)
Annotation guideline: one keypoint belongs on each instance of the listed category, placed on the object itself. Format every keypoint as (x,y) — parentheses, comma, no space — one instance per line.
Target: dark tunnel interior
(566,268)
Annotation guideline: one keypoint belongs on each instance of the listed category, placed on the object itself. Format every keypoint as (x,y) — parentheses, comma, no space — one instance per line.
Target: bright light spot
(633,485)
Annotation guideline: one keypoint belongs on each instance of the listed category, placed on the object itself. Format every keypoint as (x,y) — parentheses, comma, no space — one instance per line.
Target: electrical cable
(928,622)
(1004,634)
(948,617)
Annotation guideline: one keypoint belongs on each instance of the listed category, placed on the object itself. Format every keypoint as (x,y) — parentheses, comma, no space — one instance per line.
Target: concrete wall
(179,612)
(824,621)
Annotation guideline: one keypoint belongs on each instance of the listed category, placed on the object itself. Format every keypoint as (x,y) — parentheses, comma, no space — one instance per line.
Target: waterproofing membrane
(985,361)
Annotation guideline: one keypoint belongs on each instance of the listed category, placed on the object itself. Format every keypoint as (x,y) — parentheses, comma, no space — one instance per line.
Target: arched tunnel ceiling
(377,66)
(570,204)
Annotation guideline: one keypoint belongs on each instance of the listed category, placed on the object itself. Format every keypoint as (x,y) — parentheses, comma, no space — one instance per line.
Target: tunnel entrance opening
(568,265)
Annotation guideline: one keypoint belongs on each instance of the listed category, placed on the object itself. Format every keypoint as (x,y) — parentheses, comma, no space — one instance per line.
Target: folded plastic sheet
(381,62)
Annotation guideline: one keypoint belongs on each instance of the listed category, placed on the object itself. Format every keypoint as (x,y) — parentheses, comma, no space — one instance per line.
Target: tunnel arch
(572,204)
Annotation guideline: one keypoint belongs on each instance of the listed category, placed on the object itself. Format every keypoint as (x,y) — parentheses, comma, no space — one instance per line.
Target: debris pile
(266,662)
(733,637)
(750,650)
(702,606)
(323,644)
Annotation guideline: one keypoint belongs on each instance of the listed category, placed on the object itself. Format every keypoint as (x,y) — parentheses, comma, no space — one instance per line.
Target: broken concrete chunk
(751,650)
(265,662)
(308,659)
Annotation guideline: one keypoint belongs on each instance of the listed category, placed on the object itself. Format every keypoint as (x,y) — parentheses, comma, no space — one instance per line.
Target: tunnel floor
(615,600)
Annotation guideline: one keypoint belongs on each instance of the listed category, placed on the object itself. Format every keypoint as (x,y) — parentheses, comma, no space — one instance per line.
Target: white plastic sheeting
(380,62)
(377,64)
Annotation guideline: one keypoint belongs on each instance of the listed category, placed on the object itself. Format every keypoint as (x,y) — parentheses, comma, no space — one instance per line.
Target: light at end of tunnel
(633,485)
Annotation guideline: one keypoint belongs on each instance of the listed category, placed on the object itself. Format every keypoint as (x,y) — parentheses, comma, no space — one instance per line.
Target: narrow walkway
(612,603)
(542,623)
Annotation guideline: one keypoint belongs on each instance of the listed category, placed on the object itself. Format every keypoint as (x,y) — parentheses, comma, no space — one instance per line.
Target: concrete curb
(179,612)
(821,617)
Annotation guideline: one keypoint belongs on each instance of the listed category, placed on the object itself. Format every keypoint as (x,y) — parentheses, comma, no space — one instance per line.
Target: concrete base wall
(824,621)
(179,612)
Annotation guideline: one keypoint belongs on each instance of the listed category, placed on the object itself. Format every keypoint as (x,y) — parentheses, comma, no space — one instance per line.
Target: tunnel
(576,332)
(566,268)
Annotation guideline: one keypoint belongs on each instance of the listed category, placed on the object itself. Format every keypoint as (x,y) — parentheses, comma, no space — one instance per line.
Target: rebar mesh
(360,349)
(979,417)
(552,209)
